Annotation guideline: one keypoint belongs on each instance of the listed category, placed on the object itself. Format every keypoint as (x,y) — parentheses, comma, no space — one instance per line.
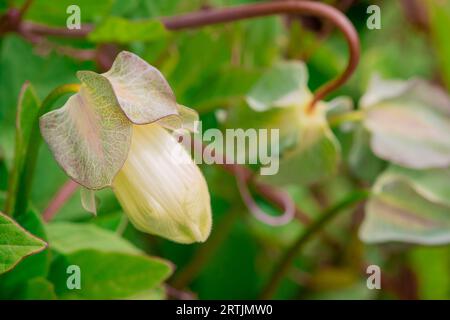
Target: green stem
(28,168)
(285,263)
(352,116)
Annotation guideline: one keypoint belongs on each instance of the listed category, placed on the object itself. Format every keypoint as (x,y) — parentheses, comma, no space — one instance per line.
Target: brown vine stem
(25,7)
(217,16)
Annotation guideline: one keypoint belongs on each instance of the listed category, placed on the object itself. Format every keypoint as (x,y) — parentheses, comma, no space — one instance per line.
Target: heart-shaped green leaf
(89,136)
(16,243)
(409,123)
(409,205)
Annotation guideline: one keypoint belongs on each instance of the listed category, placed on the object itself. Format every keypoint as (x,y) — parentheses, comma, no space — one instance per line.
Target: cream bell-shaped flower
(116,132)
(161,193)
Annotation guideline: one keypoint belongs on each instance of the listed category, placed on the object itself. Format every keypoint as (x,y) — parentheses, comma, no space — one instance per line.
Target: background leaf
(116,29)
(37,289)
(55,14)
(66,238)
(27,111)
(439,15)
(102,279)
(283,85)
(33,266)
(404,208)
(410,125)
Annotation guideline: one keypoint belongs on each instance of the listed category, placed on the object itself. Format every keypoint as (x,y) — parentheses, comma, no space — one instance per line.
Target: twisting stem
(217,16)
(283,198)
(26,176)
(283,267)
(279,198)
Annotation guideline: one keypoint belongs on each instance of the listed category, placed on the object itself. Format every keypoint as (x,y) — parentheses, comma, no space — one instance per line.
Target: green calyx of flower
(90,135)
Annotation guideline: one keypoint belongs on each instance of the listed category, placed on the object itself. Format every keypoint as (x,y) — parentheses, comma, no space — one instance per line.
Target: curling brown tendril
(217,16)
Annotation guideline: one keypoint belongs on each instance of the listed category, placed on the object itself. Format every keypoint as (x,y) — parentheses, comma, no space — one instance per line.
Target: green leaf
(37,289)
(409,205)
(222,88)
(89,136)
(157,293)
(222,275)
(16,243)
(283,85)
(45,73)
(27,110)
(67,238)
(120,30)
(108,275)
(409,123)
(111,267)
(433,278)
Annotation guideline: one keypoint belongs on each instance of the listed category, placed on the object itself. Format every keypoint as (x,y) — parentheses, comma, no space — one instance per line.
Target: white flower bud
(160,193)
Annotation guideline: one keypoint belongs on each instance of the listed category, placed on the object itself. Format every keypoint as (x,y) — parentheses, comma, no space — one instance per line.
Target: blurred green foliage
(213,69)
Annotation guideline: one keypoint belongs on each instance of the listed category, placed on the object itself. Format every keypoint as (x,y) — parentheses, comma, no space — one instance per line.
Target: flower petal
(161,189)
(142,91)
